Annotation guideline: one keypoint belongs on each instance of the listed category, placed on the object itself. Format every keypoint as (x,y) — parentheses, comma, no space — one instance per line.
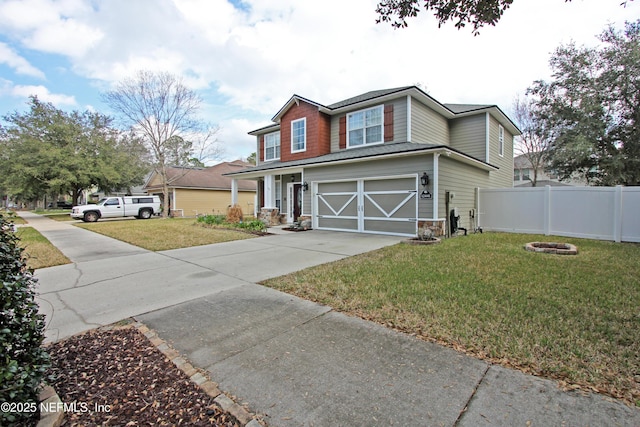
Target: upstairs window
(272,146)
(501,140)
(299,135)
(365,127)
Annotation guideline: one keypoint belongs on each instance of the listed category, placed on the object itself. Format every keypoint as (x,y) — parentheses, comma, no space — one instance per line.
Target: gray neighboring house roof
(209,178)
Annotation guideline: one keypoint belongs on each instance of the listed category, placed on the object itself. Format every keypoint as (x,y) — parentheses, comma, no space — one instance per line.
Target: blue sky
(247,57)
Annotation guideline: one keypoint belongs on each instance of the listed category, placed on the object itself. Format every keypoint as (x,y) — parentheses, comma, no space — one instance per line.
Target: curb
(200,378)
(50,398)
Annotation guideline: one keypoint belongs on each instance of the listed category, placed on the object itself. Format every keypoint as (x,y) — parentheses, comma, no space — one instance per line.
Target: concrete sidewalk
(296,362)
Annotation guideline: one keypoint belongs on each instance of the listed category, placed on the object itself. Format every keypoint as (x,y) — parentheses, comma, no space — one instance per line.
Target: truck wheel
(144,214)
(91,217)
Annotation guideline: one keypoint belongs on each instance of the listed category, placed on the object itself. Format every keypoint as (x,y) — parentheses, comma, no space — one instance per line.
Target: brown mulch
(118,378)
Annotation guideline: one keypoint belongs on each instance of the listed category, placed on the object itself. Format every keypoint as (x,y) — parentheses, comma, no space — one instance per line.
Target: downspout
(436,173)
(487,135)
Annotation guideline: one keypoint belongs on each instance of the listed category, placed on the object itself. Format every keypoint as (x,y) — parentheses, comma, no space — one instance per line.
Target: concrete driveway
(110,280)
(294,362)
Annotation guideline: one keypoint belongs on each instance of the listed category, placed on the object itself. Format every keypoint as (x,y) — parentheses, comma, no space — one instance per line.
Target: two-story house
(387,161)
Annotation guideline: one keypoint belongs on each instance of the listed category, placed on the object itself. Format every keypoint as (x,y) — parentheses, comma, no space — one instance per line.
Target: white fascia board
(295,99)
(497,114)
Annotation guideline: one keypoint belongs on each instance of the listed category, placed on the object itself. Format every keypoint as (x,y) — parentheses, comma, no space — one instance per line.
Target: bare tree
(533,143)
(164,112)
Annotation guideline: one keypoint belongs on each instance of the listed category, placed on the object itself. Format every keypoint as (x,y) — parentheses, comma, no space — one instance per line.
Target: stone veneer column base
(270,216)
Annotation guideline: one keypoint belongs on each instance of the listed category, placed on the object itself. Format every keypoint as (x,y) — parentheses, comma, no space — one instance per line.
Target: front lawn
(163,234)
(38,251)
(572,318)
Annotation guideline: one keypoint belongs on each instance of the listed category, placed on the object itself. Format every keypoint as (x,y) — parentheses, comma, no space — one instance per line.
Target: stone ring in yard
(552,248)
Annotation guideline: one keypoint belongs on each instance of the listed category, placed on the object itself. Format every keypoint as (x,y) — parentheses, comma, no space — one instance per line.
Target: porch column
(269,191)
(234,192)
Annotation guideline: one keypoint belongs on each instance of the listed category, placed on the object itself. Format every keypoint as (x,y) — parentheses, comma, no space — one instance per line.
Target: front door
(294,201)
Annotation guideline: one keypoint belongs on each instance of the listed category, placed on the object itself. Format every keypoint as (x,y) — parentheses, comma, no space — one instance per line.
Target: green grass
(573,318)
(164,234)
(38,251)
(59,216)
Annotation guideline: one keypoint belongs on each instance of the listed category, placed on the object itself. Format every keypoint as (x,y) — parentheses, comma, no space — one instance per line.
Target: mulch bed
(117,378)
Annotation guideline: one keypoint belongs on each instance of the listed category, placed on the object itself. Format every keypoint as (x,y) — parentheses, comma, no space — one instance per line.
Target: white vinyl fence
(605,213)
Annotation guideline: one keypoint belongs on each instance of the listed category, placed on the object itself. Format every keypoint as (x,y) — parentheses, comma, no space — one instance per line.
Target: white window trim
(304,120)
(501,140)
(381,124)
(265,147)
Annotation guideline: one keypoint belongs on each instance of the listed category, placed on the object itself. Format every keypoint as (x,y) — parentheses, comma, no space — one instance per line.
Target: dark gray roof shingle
(367,96)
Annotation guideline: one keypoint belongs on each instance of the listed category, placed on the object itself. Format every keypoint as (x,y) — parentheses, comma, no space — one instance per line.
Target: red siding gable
(318,128)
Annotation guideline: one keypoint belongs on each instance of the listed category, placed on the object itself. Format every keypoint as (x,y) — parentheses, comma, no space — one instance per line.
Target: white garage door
(384,206)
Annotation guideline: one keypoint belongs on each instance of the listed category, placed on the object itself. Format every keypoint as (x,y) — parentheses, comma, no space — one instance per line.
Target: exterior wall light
(305,186)
(424,179)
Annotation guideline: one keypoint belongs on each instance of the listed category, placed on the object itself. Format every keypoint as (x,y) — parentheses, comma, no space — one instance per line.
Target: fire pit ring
(552,248)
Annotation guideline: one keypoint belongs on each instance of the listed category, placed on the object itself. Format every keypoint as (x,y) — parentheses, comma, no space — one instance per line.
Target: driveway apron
(294,362)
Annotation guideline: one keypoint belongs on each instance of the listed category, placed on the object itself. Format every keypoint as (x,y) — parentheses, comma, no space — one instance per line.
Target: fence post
(617,214)
(547,210)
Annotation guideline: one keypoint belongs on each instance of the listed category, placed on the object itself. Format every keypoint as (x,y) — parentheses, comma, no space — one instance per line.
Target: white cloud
(234,139)
(18,63)
(251,60)
(43,94)
(51,26)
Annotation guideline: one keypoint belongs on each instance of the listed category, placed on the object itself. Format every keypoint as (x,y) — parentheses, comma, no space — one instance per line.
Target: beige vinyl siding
(504,176)
(461,179)
(427,126)
(416,164)
(200,201)
(399,123)
(468,134)
(399,120)
(155,182)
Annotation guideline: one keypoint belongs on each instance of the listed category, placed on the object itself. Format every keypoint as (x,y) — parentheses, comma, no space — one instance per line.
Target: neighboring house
(360,164)
(194,191)
(523,175)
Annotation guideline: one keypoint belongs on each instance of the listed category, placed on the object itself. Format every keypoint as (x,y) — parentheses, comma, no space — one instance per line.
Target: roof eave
(295,99)
(443,150)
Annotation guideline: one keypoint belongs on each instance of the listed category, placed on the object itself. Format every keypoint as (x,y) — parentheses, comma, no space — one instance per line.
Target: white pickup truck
(142,207)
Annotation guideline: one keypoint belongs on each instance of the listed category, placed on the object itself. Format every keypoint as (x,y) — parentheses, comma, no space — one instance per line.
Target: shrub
(212,219)
(235,215)
(23,361)
(255,225)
